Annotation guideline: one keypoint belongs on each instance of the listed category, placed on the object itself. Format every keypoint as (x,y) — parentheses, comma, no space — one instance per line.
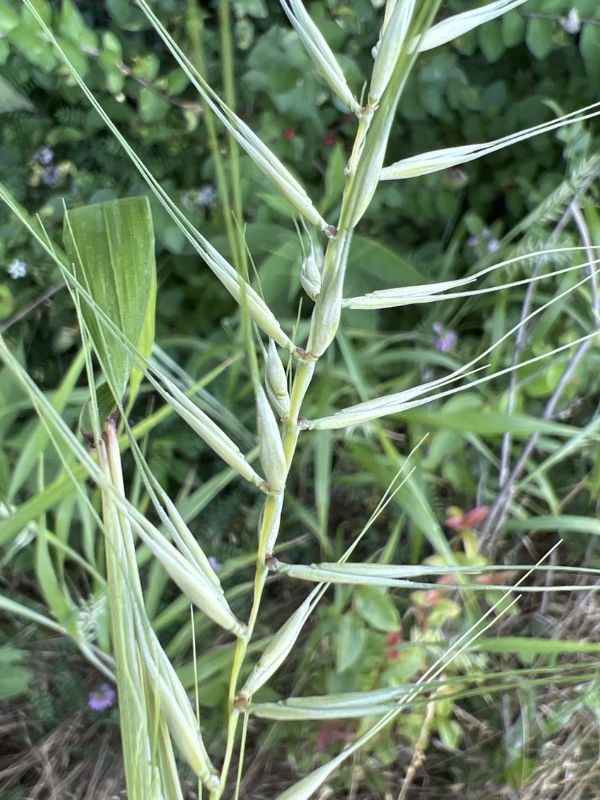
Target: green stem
(228,69)
(367,153)
(194,31)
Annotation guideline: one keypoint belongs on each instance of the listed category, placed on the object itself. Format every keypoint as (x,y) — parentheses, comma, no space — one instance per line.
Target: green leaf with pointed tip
(111,249)
(105,403)
(377,608)
(11,100)
(351,640)
(539,37)
(9,17)
(589,46)
(14,678)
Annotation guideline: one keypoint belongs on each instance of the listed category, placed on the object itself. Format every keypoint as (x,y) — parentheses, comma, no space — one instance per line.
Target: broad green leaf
(539,37)
(72,25)
(111,249)
(14,678)
(7,302)
(334,179)
(11,100)
(351,639)
(491,42)
(377,608)
(152,106)
(9,17)
(42,8)
(589,46)
(513,29)
(31,44)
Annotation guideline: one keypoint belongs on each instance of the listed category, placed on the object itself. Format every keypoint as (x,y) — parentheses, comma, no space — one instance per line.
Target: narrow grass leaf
(15,609)
(435,292)
(38,440)
(459,24)
(354,575)
(408,399)
(140,770)
(282,712)
(445,158)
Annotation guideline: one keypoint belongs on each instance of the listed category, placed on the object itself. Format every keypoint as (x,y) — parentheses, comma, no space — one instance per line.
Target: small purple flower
(44,156)
(485,237)
(446,339)
(215,563)
(102,699)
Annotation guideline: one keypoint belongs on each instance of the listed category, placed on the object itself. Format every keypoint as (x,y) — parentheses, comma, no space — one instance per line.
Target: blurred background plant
(483,736)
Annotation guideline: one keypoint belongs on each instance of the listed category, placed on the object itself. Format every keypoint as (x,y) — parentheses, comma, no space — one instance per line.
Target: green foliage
(14,677)
(110,247)
(525,68)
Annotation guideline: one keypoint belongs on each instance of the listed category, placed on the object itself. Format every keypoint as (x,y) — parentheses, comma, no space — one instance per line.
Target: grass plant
(107,264)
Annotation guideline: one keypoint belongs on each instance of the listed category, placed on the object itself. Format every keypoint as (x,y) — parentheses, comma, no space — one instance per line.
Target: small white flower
(207,196)
(17,269)
(571,23)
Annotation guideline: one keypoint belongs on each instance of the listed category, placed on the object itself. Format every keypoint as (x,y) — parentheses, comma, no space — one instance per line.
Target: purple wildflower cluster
(485,237)
(51,174)
(103,698)
(446,339)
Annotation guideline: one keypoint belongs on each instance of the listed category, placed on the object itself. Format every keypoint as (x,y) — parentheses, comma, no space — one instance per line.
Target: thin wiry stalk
(519,344)
(493,529)
(227,65)
(195,29)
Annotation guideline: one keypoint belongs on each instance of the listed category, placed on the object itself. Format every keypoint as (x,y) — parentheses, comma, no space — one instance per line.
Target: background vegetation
(516,715)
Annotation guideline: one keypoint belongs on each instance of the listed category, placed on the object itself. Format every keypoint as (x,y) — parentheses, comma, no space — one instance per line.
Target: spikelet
(277,649)
(272,456)
(276,382)
(389,48)
(311,272)
(321,54)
